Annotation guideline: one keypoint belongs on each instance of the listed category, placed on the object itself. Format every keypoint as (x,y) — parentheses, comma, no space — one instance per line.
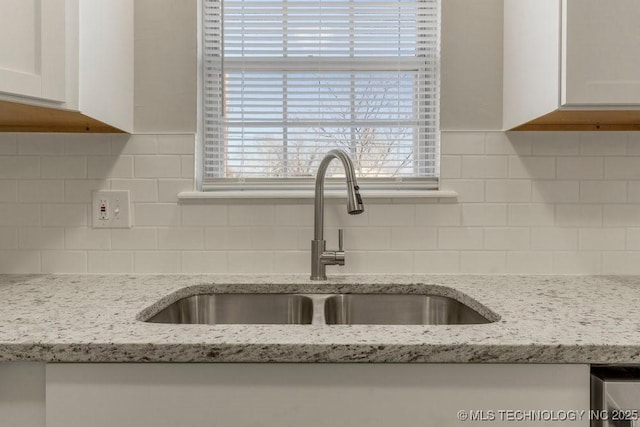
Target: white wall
(529,202)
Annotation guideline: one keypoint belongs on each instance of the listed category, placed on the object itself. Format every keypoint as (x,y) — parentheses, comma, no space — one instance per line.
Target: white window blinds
(286,80)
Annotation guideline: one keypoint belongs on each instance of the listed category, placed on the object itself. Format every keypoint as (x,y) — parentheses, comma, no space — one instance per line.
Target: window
(284,81)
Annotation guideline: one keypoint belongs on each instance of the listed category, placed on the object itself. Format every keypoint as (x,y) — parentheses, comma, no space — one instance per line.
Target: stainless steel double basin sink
(319,309)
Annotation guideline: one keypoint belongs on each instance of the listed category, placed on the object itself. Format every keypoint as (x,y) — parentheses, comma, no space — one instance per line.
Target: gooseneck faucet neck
(320,258)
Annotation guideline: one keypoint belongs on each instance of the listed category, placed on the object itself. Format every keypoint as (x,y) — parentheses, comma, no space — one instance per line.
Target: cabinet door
(32,48)
(601,41)
(310,395)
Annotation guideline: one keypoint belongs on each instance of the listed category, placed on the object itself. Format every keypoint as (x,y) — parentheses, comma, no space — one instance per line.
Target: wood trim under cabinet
(585,120)
(16,117)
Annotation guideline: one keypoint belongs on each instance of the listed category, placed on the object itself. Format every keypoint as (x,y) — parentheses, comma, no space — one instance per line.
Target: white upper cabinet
(32,47)
(66,65)
(571,65)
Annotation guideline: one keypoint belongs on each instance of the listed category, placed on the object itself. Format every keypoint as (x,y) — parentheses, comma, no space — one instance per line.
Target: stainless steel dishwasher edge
(615,396)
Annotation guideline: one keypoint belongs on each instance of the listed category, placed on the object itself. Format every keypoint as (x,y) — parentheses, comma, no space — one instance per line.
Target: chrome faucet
(320,257)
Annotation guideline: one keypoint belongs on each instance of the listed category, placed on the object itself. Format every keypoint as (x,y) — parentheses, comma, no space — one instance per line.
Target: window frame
(235,186)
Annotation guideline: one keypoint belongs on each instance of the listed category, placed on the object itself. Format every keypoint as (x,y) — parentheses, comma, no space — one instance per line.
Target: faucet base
(318,269)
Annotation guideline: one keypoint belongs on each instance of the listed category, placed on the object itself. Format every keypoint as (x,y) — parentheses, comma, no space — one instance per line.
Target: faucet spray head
(354,201)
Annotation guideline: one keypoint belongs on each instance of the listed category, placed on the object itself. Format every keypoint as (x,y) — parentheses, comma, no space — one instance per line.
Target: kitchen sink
(319,309)
(398,309)
(238,309)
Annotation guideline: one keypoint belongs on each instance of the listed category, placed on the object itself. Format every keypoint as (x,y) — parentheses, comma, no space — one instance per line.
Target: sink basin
(318,309)
(398,309)
(238,309)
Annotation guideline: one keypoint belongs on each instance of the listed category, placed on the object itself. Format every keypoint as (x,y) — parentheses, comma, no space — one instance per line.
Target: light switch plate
(111,209)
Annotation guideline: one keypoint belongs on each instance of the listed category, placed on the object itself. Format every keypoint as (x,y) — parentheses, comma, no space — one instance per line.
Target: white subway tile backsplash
(479,167)
(158,166)
(165,262)
(603,239)
(64,262)
(532,215)
(484,214)
(469,190)
(40,143)
(134,238)
(555,239)
(621,263)
(450,167)
(168,189)
(508,190)
(622,167)
(8,143)
(274,238)
(198,215)
(158,214)
(603,191)
(464,143)
(580,167)
(603,144)
(438,214)
(204,262)
(250,262)
(83,144)
(616,215)
(187,166)
(20,167)
(64,167)
(529,262)
(20,261)
(110,262)
(292,262)
(507,238)
(436,262)
(532,167)
(41,237)
(87,238)
(19,214)
(413,238)
(390,262)
(579,215)
(577,263)
(103,167)
(555,191)
(68,215)
(632,236)
(140,190)
(228,238)
(79,191)
(556,144)
(363,238)
(294,215)
(253,215)
(134,144)
(176,144)
(181,238)
(486,262)
(8,238)
(395,215)
(529,203)
(460,238)
(503,143)
(9,190)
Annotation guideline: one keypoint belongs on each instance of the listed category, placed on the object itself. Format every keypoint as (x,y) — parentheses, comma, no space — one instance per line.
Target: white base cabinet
(310,395)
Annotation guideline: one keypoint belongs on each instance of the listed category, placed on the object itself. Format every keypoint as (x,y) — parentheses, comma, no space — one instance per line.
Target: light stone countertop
(542,319)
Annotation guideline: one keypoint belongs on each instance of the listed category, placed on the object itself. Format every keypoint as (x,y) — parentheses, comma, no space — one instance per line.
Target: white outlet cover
(111,209)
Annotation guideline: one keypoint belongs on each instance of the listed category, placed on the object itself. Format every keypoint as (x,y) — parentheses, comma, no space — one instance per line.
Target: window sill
(309,194)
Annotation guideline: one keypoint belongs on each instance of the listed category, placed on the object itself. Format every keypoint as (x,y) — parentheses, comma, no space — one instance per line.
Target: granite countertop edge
(537,319)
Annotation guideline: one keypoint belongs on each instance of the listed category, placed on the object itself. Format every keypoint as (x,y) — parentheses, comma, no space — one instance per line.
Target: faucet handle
(340,239)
